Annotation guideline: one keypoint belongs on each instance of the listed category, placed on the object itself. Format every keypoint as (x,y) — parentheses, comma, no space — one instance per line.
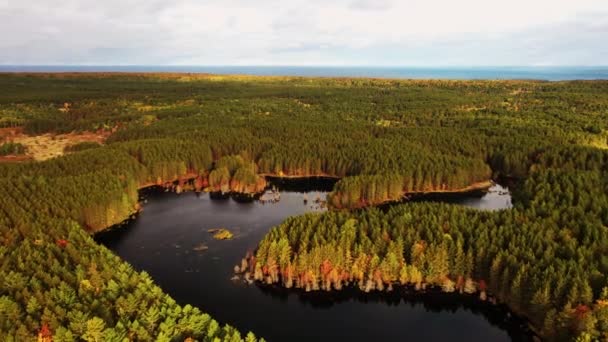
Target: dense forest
(546,258)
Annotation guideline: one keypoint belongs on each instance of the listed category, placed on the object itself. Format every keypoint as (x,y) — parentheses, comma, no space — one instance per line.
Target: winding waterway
(169,240)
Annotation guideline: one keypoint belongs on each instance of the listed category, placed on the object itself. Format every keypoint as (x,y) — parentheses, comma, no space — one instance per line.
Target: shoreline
(171,185)
(506,74)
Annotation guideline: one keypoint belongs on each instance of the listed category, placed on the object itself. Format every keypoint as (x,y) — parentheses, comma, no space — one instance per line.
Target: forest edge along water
(169,240)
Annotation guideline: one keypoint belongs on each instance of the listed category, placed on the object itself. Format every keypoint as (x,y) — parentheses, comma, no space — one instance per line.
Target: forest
(11,148)
(547,258)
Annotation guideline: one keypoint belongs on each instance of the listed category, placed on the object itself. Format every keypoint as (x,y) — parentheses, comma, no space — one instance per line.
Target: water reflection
(433,301)
(497,197)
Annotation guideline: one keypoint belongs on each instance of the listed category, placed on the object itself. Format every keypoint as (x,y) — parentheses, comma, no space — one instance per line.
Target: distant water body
(457,73)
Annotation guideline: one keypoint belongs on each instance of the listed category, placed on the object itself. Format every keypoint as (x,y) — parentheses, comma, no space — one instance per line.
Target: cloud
(380,5)
(311,32)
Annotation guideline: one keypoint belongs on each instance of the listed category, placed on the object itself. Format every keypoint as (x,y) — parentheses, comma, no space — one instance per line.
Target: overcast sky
(304,32)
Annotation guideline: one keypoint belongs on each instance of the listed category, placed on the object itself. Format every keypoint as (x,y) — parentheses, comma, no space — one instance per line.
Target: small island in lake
(221,233)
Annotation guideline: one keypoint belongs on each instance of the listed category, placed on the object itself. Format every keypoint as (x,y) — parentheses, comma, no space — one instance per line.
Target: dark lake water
(162,239)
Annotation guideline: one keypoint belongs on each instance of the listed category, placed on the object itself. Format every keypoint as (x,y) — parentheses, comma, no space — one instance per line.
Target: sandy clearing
(47,146)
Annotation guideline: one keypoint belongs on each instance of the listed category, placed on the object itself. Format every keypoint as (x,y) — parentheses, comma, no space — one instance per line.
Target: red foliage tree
(482,285)
(45,334)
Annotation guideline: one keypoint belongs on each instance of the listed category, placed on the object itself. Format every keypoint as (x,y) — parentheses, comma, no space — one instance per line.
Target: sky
(304,32)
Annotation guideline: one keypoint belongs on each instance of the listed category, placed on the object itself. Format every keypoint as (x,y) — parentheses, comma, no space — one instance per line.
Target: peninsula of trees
(546,258)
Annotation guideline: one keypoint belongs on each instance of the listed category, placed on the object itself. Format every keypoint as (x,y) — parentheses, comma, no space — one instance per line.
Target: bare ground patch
(47,146)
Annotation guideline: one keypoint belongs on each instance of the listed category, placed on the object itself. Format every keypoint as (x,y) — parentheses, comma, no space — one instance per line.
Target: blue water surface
(553,73)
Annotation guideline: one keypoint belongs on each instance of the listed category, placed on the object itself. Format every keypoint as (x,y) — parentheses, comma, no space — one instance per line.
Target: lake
(163,239)
(549,73)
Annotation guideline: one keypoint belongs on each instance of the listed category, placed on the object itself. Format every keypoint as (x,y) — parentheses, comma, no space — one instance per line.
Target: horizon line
(305,65)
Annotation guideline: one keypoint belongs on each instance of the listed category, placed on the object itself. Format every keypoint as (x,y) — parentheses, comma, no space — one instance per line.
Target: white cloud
(415,32)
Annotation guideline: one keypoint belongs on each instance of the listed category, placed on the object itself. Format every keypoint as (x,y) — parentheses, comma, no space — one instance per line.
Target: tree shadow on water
(432,300)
